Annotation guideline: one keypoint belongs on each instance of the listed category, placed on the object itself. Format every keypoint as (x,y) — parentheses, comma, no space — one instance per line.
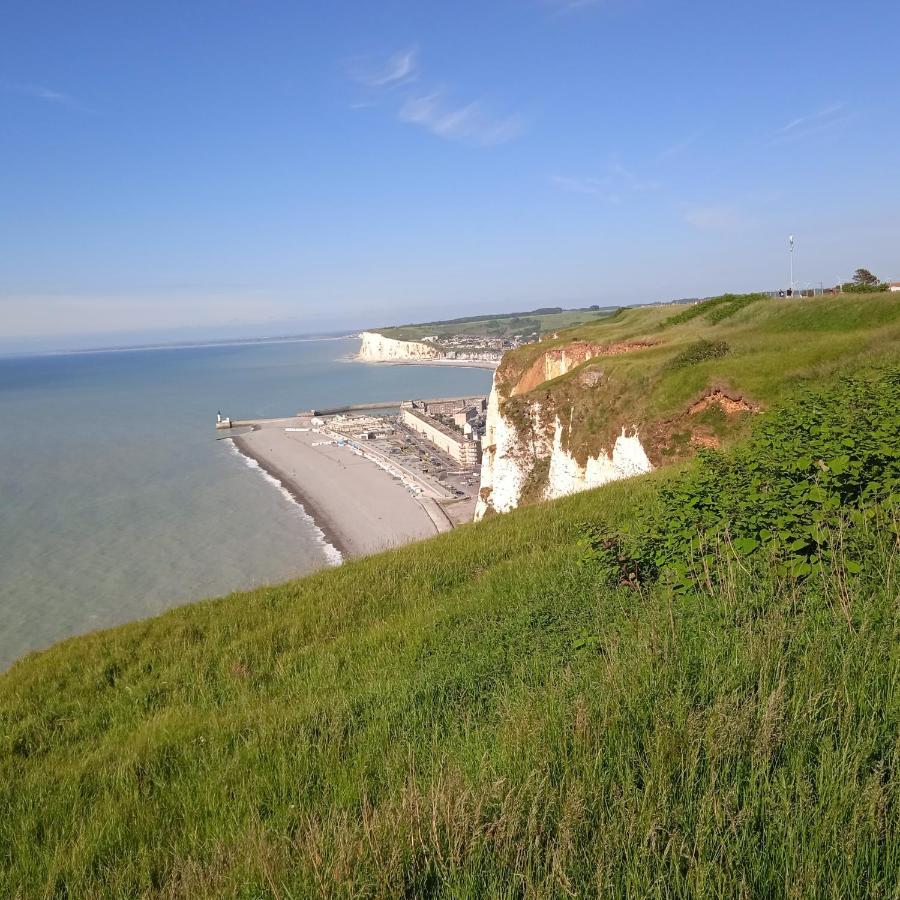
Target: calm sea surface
(116,499)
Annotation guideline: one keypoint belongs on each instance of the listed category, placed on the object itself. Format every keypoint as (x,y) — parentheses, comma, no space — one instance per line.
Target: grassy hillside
(756,349)
(488,714)
(532,324)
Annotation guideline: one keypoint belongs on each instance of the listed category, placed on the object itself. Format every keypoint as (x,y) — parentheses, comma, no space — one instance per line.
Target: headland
(478,341)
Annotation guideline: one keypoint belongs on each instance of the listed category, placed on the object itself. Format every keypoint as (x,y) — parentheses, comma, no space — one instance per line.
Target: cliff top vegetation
(501,325)
(694,377)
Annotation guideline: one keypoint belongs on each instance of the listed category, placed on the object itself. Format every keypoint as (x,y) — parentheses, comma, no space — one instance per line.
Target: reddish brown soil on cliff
(718,397)
(567,358)
(701,425)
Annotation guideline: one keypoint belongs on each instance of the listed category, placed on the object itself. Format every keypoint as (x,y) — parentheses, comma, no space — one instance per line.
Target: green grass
(472,716)
(715,309)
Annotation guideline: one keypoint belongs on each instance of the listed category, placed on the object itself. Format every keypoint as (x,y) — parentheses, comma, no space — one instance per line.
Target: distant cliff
(378,348)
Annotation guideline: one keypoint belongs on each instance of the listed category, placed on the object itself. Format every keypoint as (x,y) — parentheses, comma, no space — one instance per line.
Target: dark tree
(864,276)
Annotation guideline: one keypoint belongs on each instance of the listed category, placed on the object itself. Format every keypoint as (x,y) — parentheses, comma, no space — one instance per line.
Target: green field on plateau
(530,325)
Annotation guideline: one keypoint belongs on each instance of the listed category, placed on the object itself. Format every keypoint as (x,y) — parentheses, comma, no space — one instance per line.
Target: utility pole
(791,254)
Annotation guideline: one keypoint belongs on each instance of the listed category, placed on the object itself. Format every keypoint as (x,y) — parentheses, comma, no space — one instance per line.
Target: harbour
(369,481)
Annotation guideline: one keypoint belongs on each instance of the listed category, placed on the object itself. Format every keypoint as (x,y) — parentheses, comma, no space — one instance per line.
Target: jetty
(224,422)
(386,404)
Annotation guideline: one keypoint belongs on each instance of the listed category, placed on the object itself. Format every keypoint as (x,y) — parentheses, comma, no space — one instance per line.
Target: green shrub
(699,352)
(726,310)
(715,309)
(851,288)
(811,473)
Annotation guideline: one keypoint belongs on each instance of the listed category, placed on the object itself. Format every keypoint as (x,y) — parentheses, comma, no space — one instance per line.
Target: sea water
(117,500)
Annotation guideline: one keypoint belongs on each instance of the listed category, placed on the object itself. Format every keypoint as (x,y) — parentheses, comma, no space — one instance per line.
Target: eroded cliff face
(560,360)
(378,348)
(525,456)
(505,461)
(566,476)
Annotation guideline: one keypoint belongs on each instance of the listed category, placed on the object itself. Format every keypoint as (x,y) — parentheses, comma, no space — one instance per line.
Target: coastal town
(387,473)
(384,474)
(432,445)
(476,347)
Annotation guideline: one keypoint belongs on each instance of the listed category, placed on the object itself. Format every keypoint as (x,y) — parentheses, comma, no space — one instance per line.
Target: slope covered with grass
(648,368)
(489,714)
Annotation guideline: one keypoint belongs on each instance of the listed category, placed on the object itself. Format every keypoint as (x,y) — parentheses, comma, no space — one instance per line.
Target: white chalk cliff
(378,348)
(568,477)
(504,462)
(508,457)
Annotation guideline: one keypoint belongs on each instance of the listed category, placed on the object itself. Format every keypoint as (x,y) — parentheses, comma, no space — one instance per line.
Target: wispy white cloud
(714,218)
(395,81)
(570,6)
(678,147)
(48,95)
(399,68)
(825,113)
(629,180)
(615,183)
(470,123)
(827,119)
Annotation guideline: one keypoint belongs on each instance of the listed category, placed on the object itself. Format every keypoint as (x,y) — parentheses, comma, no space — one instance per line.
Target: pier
(387,404)
(225,422)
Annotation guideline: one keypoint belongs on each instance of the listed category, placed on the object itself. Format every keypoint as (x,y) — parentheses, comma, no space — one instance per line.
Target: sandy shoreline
(293,488)
(358,506)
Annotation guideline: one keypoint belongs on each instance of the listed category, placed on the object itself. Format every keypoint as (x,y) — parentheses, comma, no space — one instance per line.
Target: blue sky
(328,165)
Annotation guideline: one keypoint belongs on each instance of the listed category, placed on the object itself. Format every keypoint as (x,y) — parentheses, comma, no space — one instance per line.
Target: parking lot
(385,434)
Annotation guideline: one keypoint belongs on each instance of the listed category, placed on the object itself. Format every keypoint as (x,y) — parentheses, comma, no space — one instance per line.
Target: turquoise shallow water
(116,499)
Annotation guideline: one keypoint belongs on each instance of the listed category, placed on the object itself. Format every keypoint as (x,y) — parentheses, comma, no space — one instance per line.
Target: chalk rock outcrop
(505,461)
(566,476)
(376,347)
(513,450)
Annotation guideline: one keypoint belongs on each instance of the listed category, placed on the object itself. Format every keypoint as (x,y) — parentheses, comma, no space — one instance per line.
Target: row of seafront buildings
(454,426)
(473,346)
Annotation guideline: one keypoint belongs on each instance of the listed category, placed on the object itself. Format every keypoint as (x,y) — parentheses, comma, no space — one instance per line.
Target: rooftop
(440,426)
